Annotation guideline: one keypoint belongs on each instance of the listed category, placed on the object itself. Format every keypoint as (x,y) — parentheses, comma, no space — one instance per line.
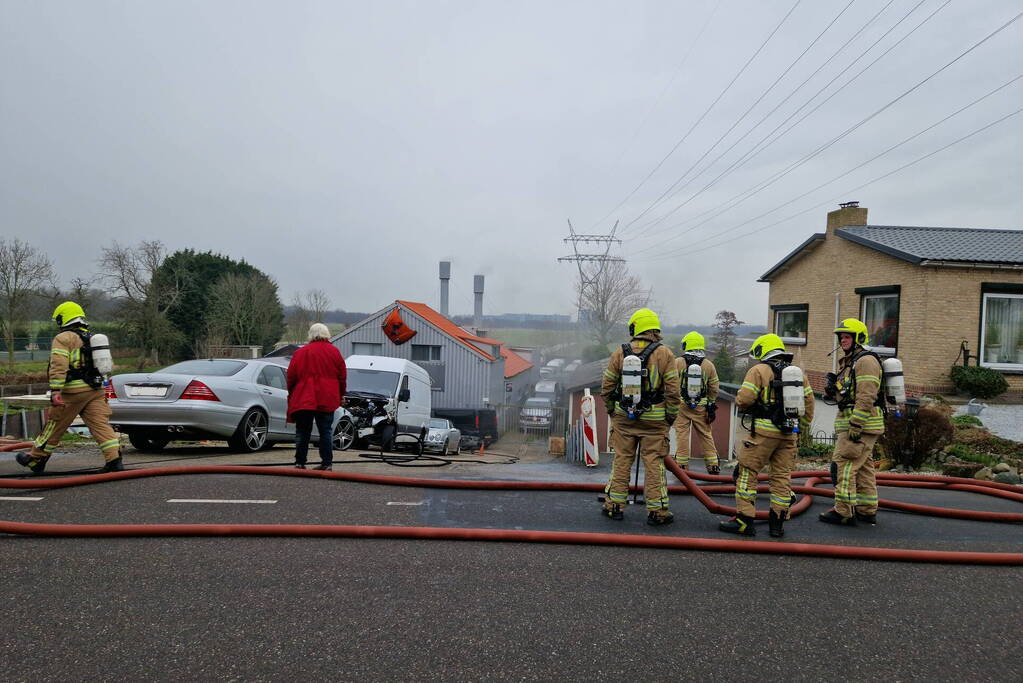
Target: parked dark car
(476,424)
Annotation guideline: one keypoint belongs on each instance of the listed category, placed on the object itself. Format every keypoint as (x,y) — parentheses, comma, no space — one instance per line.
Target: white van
(392,390)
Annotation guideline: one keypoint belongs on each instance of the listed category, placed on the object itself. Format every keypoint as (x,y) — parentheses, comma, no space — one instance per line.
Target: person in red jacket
(316,388)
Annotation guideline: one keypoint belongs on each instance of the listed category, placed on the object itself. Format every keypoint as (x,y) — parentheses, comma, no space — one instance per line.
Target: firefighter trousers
(687,422)
(757,452)
(651,440)
(95,411)
(856,488)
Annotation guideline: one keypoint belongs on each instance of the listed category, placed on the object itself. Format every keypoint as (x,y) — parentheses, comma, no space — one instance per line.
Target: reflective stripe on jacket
(66,354)
(757,384)
(861,394)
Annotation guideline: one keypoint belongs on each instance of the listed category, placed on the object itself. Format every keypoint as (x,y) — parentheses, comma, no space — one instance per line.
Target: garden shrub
(967,421)
(978,382)
(911,441)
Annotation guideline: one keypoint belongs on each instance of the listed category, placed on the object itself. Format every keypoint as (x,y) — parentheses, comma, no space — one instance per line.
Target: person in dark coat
(316,388)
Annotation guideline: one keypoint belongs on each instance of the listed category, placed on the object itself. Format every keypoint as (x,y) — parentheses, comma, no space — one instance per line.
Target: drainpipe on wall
(834,355)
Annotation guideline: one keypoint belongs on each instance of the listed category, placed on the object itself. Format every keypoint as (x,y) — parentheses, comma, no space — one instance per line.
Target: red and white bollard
(590,455)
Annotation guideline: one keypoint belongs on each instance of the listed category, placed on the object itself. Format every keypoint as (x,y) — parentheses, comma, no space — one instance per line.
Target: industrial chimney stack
(445,279)
(477,291)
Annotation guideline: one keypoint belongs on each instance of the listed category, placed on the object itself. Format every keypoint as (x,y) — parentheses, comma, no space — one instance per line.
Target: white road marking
(216,500)
(18,498)
(401,502)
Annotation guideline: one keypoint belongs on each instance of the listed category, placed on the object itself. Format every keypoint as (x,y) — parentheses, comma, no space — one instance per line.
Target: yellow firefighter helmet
(67,313)
(856,328)
(642,321)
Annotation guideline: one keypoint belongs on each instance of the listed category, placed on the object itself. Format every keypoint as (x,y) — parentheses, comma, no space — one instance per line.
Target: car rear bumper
(185,417)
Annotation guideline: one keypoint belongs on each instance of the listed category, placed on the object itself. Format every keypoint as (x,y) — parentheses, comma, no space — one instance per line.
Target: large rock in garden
(1007,478)
(983,474)
(1001,467)
(958,468)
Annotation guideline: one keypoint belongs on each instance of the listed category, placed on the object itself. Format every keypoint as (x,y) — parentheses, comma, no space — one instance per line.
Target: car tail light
(108,388)
(198,391)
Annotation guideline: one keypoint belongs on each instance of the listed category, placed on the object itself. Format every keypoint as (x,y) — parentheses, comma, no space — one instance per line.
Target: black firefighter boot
(832,517)
(775,522)
(658,518)
(37,465)
(740,524)
(615,511)
(115,465)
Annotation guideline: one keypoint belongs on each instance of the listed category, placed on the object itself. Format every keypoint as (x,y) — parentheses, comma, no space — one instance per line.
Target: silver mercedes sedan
(442,436)
(242,401)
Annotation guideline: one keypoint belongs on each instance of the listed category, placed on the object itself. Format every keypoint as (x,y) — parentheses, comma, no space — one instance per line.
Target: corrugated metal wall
(469,378)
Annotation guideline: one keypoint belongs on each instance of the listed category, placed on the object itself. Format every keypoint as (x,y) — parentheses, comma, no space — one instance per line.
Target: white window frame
(880,350)
(1011,367)
(798,341)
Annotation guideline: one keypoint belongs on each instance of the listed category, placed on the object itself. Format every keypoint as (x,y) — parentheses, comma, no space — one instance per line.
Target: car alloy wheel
(344,434)
(252,432)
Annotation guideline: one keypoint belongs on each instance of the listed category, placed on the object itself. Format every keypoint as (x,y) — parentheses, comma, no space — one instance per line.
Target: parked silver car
(242,401)
(536,415)
(441,436)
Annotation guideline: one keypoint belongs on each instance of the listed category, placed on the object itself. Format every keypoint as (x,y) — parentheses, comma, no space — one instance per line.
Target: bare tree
(131,273)
(24,271)
(245,309)
(318,303)
(607,294)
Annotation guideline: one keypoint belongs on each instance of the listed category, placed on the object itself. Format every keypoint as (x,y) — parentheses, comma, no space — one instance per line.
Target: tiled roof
(449,328)
(972,245)
(513,362)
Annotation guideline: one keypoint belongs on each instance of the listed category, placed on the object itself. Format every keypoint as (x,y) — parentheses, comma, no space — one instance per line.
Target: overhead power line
(705,112)
(690,251)
(757,149)
(741,118)
(793,166)
(657,102)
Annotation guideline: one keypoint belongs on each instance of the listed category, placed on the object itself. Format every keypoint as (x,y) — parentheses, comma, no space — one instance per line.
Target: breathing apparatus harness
(772,408)
(840,395)
(88,372)
(647,398)
(693,401)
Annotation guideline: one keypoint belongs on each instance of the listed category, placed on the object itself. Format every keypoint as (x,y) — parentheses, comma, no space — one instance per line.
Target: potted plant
(992,344)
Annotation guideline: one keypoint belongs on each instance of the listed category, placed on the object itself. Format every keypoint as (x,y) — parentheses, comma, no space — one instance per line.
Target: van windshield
(372,381)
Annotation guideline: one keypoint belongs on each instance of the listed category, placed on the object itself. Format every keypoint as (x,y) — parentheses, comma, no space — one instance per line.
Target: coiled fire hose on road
(689,485)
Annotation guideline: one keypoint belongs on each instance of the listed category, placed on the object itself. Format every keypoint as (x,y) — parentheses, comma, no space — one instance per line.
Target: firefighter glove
(55,399)
(712,411)
(735,473)
(855,431)
(670,419)
(831,385)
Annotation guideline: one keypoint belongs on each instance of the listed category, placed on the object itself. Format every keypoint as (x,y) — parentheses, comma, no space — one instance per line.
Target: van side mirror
(404,395)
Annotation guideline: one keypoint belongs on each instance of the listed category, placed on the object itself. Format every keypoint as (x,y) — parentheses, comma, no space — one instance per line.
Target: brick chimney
(848,213)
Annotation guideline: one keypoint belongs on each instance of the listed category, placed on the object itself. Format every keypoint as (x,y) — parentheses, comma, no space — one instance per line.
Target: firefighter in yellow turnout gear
(75,389)
(860,421)
(771,442)
(699,407)
(643,404)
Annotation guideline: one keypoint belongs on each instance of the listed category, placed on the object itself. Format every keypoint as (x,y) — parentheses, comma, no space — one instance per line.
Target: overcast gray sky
(350,146)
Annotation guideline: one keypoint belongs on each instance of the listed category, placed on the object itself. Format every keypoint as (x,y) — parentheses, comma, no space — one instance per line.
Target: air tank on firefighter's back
(792,395)
(894,383)
(694,384)
(101,358)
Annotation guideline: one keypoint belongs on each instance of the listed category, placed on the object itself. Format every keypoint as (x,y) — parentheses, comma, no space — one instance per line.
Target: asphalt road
(346,609)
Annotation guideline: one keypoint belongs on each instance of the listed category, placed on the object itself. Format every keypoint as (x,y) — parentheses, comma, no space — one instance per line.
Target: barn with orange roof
(466,370)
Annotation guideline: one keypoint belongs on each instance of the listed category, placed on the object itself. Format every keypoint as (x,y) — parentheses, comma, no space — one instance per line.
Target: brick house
(922,292)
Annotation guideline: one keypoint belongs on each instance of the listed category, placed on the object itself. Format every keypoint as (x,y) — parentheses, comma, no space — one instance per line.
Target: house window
(367,349)
(425,352)
(1002,331)
(790,322)
(880,313)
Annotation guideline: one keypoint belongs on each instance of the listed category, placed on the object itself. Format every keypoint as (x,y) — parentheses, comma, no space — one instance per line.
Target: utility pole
(580,258)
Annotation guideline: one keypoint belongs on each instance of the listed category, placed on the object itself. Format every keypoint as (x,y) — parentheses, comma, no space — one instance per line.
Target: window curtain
(1003,336)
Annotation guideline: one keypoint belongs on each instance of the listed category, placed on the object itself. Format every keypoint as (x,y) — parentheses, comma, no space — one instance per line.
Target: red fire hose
(630,540)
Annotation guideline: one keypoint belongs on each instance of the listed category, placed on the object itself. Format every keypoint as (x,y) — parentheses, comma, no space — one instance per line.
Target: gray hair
(318,331)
